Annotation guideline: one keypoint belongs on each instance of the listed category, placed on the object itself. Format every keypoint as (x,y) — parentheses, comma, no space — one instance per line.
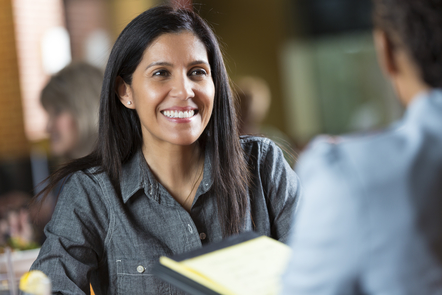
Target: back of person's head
(76,90)
(416,26)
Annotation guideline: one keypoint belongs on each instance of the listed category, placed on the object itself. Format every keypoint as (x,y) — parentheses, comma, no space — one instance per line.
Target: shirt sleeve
(327,228)
(75,236)
(282,190)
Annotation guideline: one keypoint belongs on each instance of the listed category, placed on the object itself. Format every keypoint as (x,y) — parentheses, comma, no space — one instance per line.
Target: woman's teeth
(178,114)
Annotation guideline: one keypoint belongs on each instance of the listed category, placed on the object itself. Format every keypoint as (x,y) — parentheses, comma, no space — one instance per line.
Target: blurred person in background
(169,173)
(370,221)
(254,99)
(72,98)
(16,228)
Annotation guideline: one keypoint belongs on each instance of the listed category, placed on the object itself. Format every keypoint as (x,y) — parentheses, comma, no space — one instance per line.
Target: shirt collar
(422,103)
(132,179)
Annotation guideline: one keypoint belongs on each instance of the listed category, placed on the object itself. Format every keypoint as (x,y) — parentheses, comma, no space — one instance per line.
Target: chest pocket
(134,276)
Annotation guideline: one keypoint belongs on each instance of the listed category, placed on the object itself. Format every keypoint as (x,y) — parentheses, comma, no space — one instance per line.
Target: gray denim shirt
(95,236)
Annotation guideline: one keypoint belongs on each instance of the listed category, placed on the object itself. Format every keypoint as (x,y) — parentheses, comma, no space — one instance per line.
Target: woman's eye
(161,73)
(198,72)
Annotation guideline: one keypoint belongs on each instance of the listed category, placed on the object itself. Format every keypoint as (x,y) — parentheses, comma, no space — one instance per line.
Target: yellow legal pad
(253,267)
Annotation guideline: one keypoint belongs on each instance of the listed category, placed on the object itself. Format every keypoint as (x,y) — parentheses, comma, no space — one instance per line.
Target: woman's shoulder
(87,177)
(260,148)
(263,144)
(259,141)
(90,187)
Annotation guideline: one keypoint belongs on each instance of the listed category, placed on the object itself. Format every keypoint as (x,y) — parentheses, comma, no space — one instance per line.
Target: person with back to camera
(71,98)
(169,173)
(370,220)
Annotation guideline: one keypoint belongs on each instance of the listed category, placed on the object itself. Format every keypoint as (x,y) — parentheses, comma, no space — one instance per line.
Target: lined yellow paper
(252,267)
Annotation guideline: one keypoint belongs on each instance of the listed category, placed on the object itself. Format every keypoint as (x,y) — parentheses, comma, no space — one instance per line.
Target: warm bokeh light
(32,20)
(55,50)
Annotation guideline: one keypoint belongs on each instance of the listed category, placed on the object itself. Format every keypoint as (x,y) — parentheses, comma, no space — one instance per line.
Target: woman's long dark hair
(120,130)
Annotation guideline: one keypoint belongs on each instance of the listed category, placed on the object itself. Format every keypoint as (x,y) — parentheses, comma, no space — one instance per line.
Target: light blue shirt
(370,220)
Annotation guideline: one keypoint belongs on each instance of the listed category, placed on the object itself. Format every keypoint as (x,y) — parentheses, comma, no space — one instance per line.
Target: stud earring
(129,102)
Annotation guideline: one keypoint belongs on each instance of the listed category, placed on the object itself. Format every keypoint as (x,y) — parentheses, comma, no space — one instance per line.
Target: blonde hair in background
(76,89)
(254,102)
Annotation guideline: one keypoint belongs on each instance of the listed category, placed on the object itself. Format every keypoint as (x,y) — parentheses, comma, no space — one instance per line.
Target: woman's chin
(185,142)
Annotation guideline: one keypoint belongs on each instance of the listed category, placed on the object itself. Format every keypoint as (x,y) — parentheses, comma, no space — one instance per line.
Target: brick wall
(123,11)
(13,142)
(83,17)
(32,19)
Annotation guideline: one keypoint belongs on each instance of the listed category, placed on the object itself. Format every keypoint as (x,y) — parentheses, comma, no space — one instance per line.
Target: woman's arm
(75,236)
(282,190)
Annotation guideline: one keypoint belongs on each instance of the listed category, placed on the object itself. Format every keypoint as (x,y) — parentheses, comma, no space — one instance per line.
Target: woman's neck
(177,168)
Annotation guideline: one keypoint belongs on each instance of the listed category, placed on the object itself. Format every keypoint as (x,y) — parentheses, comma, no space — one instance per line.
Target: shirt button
(202,236)
(189,228)
(140,268)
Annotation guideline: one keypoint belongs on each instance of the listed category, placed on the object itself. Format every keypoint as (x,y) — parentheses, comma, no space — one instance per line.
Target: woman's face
(172,90)
(63,132)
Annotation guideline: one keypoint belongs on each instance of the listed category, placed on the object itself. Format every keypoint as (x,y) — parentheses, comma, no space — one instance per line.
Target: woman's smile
(180,115)
(172,90)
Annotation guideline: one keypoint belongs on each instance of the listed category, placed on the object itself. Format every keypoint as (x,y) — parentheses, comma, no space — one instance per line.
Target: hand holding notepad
(243,264)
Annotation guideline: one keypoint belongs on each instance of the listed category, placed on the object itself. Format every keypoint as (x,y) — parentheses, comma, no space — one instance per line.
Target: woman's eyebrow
(198,62)
(163,63)
(159,63)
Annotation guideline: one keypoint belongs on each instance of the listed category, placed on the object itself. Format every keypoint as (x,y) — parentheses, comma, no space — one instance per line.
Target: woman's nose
(182,88)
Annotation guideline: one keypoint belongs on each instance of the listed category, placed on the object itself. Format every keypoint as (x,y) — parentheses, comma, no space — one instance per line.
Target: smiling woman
(169,172)
(172,81)
(173,76)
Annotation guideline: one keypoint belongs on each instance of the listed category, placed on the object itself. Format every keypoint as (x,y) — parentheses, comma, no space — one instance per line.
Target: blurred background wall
(317,57)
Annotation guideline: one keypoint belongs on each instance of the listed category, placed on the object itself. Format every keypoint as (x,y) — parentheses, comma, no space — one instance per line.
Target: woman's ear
(385,53)
(124,92)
